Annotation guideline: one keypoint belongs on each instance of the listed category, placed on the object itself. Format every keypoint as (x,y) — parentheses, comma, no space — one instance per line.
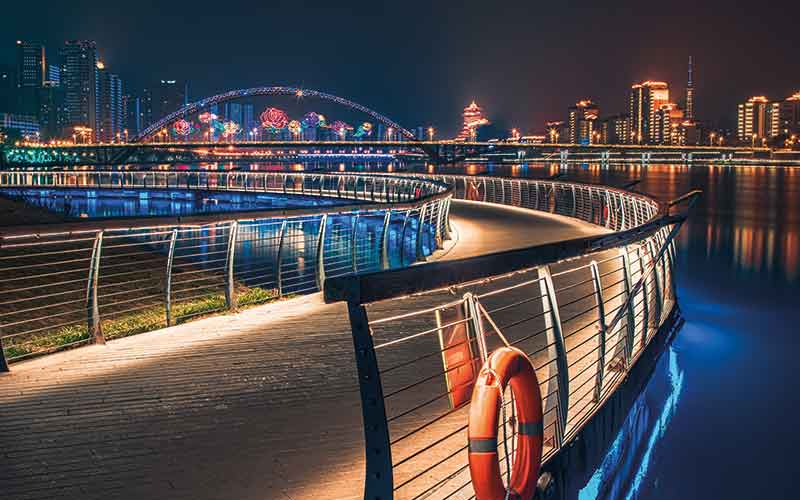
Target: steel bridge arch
(267,91)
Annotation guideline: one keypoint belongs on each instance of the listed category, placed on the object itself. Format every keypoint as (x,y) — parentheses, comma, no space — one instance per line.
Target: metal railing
(75,283)
(583,310)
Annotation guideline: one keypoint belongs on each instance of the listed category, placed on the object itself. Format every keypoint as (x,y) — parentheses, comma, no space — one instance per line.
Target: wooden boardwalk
(261,404)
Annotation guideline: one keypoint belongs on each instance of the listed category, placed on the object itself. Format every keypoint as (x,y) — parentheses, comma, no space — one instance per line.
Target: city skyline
(515,47)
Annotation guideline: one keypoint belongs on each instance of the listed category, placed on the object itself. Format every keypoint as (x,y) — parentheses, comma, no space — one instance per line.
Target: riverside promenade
(262,404)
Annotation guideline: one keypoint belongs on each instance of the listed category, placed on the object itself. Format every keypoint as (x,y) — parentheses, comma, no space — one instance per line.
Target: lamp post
(711,139)
(430,133)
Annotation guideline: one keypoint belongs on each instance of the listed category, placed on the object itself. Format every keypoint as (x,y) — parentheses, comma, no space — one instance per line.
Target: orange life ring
(506,365)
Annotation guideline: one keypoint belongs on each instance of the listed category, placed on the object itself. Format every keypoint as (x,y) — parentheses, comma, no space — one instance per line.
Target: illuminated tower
(473,118)
(690,94)
(583,123)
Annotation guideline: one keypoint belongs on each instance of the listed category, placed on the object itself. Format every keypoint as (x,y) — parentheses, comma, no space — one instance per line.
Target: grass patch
(141,321)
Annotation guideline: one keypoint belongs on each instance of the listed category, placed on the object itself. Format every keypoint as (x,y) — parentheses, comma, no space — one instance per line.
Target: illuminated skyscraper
(646,99)
(583,123)
(170,95)
(667,124)
(31,75)
(473,118)
(690,94)
(111,117)
(754,120)
(79,80)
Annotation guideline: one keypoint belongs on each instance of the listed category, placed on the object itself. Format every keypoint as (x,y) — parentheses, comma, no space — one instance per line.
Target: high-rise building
(31,74)
(146,108)
(8,89)
(583,123)
(79,80)
(789,116)
(51,113)
(615,129)
(131,116)
(248,117)
(169,96)
(646,99)
(54,74)
(109,96)
(31,64)
(689,107)
(668,120)
(754,120)
(473,119)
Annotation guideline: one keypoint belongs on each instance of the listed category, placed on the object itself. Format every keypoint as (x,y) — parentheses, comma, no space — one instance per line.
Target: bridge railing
(75,283)
(583,310)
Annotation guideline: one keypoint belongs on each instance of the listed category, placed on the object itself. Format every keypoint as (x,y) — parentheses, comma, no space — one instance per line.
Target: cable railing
(583,311)
(75,283)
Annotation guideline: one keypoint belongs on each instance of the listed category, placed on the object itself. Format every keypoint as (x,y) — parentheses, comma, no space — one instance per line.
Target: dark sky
(421,62)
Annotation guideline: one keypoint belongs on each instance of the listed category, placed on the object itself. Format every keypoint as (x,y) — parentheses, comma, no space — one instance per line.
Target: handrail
(177,267)
(151,222)
(627,274)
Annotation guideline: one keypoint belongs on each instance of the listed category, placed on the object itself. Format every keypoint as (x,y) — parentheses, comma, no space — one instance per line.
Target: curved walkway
(262,404)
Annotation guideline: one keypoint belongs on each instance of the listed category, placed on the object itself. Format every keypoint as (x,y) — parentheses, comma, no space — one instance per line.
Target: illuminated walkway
(257,405)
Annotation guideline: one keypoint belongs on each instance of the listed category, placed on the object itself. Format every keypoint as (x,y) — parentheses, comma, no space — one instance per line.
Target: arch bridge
(196,107)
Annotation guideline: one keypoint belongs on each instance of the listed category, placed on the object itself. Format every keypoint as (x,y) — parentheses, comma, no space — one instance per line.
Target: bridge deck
(260,404)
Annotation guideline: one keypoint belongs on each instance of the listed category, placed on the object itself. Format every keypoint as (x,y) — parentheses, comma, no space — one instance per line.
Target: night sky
(421,62)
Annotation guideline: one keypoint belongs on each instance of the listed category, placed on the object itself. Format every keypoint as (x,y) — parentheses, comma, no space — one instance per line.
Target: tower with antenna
(690,94)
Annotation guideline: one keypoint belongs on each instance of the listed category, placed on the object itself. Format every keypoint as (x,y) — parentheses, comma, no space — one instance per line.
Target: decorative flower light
(182,127)
(311,119)
(207,117)
(340,128)
(230,129)
(364,129)
(295,127)
(274,118)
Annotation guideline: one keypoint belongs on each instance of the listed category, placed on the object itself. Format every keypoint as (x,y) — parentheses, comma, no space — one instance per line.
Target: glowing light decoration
(364,129)
(274,118)
(311,119)
(207,117)
(229,129)
(295,127)
(340,128)
(182,127)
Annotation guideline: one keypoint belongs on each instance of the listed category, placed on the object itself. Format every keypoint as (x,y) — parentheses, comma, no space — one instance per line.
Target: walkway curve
(261,404)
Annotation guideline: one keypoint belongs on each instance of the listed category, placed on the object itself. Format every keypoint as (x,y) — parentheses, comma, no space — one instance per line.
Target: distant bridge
(434,151)
(196,107)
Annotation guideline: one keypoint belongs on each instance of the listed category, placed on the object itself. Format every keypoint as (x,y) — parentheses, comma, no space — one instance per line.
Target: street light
(430,133)
(711,139)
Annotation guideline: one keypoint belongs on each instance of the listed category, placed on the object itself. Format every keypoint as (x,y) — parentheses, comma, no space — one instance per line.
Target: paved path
(257,405)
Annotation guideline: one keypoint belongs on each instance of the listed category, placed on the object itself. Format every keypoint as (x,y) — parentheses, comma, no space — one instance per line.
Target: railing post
(321,252)
(168,287)
(555,337)
(378,481)
(3,363)
(230,295)
(475,324)
(657,287)
(645,305)
(420,232)
(448,228)
(354,244)
(92,306)
(630,330)
(574,202)
(437,233)
(279,260)
(601,314)
(387,217)
(403,236)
